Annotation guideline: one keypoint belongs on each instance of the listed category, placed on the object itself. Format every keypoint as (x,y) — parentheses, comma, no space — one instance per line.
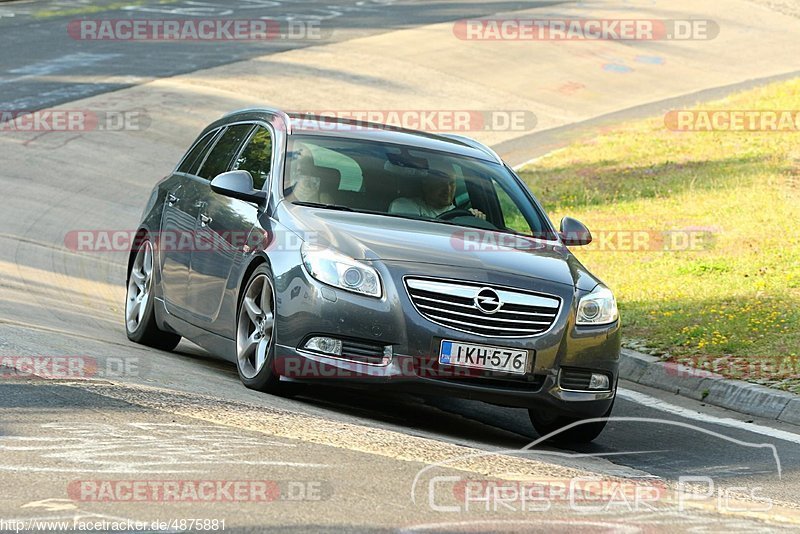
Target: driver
(438,191)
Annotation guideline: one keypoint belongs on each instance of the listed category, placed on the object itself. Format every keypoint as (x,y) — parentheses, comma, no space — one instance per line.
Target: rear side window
(191,162)
(219,159)
(256,157)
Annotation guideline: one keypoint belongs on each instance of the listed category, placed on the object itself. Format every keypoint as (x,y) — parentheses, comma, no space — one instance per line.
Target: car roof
(344,128)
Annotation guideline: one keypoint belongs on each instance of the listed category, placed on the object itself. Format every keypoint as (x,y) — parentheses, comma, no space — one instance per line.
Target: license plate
(483,357)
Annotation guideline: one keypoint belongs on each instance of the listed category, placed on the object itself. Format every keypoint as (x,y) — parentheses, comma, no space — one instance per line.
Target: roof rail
(275,111)
(474,144)
(287,119)
(360,122)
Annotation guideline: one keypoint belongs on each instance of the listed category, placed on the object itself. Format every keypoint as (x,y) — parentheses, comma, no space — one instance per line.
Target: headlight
(598,307)
(335,269)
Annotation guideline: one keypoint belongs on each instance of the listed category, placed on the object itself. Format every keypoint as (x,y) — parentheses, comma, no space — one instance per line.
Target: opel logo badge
(487,300)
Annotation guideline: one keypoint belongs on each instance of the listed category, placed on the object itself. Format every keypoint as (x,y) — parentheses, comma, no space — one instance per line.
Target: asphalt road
(150,415)
(51,65)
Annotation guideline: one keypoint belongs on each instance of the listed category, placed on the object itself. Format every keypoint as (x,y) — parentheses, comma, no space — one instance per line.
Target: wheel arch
(255,263)
(138,238)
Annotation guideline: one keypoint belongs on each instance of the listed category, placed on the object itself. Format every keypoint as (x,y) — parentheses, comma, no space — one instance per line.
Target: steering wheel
(454,213)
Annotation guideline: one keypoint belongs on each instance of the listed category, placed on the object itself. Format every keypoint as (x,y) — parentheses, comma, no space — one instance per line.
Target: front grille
(574,379)
(363,352)
(503,312)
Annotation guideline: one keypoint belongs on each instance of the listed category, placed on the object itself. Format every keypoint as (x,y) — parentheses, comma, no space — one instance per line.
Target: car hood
(371,237)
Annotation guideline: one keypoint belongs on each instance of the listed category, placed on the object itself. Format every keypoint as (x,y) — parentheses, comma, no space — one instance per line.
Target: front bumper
(307,307)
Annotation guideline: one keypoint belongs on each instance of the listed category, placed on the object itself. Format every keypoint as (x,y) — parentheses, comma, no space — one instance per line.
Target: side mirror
(574,233)
(238,184)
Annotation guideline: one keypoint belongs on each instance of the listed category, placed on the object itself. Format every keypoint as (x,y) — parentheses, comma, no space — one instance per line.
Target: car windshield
(401,181)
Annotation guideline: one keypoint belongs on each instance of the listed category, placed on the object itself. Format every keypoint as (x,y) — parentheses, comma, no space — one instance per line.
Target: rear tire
(545,424)
(140,317)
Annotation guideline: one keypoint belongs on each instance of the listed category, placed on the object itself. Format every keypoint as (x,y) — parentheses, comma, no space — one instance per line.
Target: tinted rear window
(220,157)
(191,162)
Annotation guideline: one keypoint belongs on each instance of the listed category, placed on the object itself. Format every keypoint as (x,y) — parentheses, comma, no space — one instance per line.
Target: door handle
(205,219)
(171,199)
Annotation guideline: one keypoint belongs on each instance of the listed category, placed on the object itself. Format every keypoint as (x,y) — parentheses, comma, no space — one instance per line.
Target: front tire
(545,424)
(140,317)
(255,336)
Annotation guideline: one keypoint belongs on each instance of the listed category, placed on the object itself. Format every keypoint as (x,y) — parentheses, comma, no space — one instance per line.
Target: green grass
(733,300)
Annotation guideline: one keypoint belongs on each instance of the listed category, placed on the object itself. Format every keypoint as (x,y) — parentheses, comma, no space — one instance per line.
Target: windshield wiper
(323,205)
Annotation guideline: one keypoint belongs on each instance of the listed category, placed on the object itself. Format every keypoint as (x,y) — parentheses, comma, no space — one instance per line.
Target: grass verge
(696,234)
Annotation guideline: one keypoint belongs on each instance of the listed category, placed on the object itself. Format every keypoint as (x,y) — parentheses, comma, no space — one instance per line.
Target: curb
(708,387)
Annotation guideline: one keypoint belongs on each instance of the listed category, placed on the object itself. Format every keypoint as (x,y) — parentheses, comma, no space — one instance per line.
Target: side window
(195,157)
(219,159)
(512,216)
(257,157)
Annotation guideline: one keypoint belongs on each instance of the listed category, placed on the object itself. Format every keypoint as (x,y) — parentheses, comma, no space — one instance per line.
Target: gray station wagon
(313,250)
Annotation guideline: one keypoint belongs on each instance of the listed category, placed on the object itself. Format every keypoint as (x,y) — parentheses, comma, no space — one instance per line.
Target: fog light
(387,355)
(328,345)
(599,381)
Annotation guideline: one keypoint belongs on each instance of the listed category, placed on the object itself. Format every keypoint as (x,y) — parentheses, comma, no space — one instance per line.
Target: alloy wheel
(255,326)
(139,287)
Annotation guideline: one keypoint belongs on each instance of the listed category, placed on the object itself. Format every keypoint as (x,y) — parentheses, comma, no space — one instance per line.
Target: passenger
(305,182)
